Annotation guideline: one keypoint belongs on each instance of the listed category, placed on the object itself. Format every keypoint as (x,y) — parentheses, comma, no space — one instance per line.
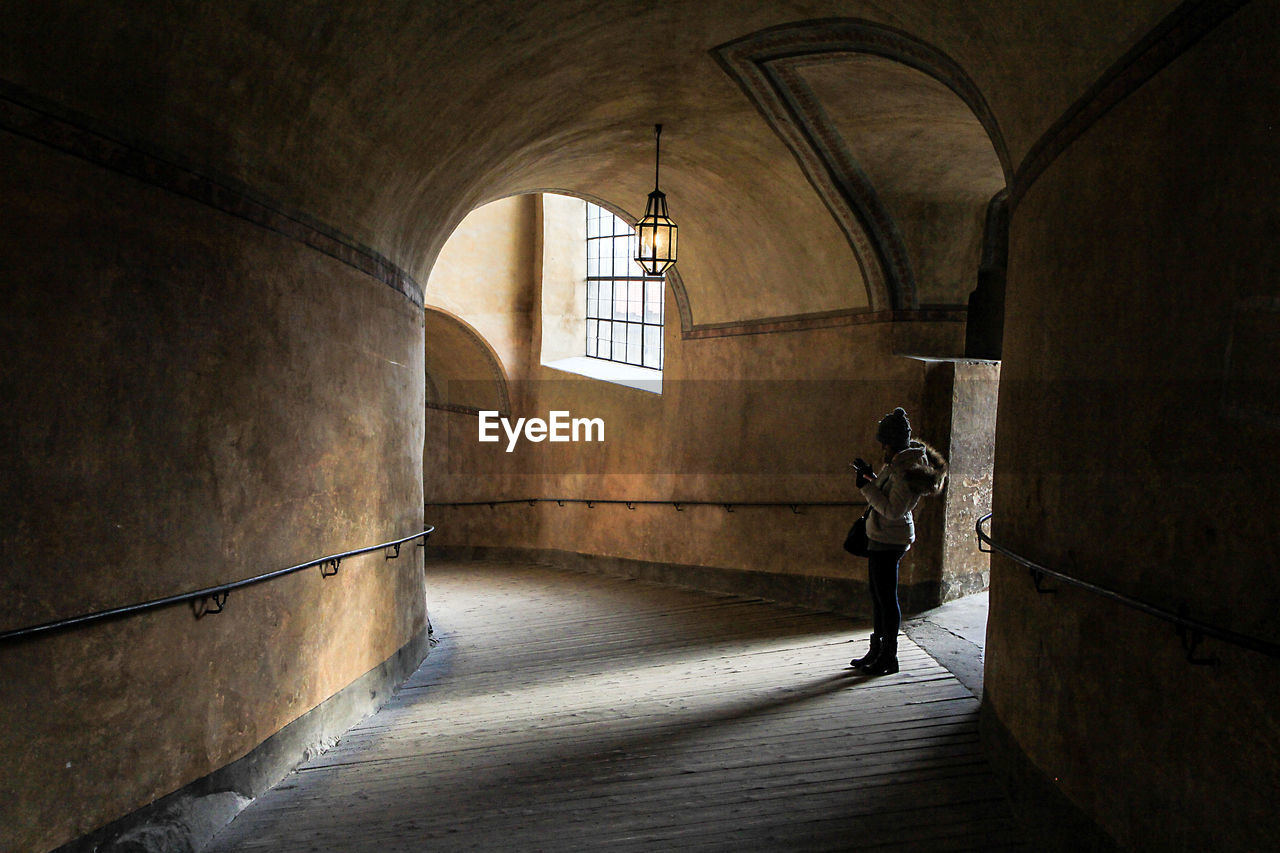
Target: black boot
(870,657)
(886,663)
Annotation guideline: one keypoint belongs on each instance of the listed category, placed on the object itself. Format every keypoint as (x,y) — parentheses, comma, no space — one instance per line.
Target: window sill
(641,378)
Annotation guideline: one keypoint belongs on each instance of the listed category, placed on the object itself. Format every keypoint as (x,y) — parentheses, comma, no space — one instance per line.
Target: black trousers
(882,573)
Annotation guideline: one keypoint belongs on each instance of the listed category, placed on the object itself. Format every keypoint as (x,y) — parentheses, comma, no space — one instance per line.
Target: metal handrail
(1191,631)
(215,594)
(632,504)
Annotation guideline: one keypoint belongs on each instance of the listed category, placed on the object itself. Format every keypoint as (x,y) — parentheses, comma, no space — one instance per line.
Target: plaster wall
(190,399)
(485,274)
(563,276)
(1137,416)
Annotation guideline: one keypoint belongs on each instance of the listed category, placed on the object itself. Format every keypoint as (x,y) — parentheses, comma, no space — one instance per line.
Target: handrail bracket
(212,603)
(1037,578)
(1191,639)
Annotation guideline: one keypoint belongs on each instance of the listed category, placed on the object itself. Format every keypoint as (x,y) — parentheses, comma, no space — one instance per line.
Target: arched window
(624,306)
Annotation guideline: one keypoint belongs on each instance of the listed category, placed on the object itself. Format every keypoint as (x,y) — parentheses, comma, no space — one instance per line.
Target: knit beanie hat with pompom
(894,430)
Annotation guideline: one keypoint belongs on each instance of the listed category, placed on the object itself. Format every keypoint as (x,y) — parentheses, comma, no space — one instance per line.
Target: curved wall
(1137,407)
(190,399)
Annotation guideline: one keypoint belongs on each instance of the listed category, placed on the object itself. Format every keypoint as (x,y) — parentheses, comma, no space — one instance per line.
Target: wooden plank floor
(563,711)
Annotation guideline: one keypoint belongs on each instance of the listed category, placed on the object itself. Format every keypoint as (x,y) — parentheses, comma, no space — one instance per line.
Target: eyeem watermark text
(558,427)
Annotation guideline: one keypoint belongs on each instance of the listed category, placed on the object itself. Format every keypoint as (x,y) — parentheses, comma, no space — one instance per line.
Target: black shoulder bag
(856,542)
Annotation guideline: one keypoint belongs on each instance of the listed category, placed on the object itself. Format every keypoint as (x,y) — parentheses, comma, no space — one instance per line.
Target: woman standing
(912,470)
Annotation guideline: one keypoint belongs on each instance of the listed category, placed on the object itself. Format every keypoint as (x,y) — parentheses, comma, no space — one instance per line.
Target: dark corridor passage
(564,711)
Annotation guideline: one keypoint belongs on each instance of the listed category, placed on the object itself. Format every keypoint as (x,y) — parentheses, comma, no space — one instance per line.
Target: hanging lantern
(655,232)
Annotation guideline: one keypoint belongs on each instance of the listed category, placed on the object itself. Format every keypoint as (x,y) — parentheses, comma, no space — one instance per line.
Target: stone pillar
(975,387)
(959,419)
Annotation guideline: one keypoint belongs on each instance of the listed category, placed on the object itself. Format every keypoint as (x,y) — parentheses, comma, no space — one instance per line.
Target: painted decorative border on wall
(763,64)
(1171,38)
(826,320)
(460,410)
(22,115)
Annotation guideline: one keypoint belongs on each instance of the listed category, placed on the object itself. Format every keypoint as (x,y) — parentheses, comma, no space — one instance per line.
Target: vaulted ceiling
(819,156)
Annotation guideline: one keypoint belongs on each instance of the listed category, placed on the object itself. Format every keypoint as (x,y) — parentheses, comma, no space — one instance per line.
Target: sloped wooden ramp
(564,711)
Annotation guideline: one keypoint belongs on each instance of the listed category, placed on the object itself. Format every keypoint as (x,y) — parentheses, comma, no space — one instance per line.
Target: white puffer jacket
(914,473)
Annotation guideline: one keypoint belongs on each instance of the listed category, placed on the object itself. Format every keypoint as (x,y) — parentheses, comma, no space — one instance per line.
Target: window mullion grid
(620,323)
(607,295)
